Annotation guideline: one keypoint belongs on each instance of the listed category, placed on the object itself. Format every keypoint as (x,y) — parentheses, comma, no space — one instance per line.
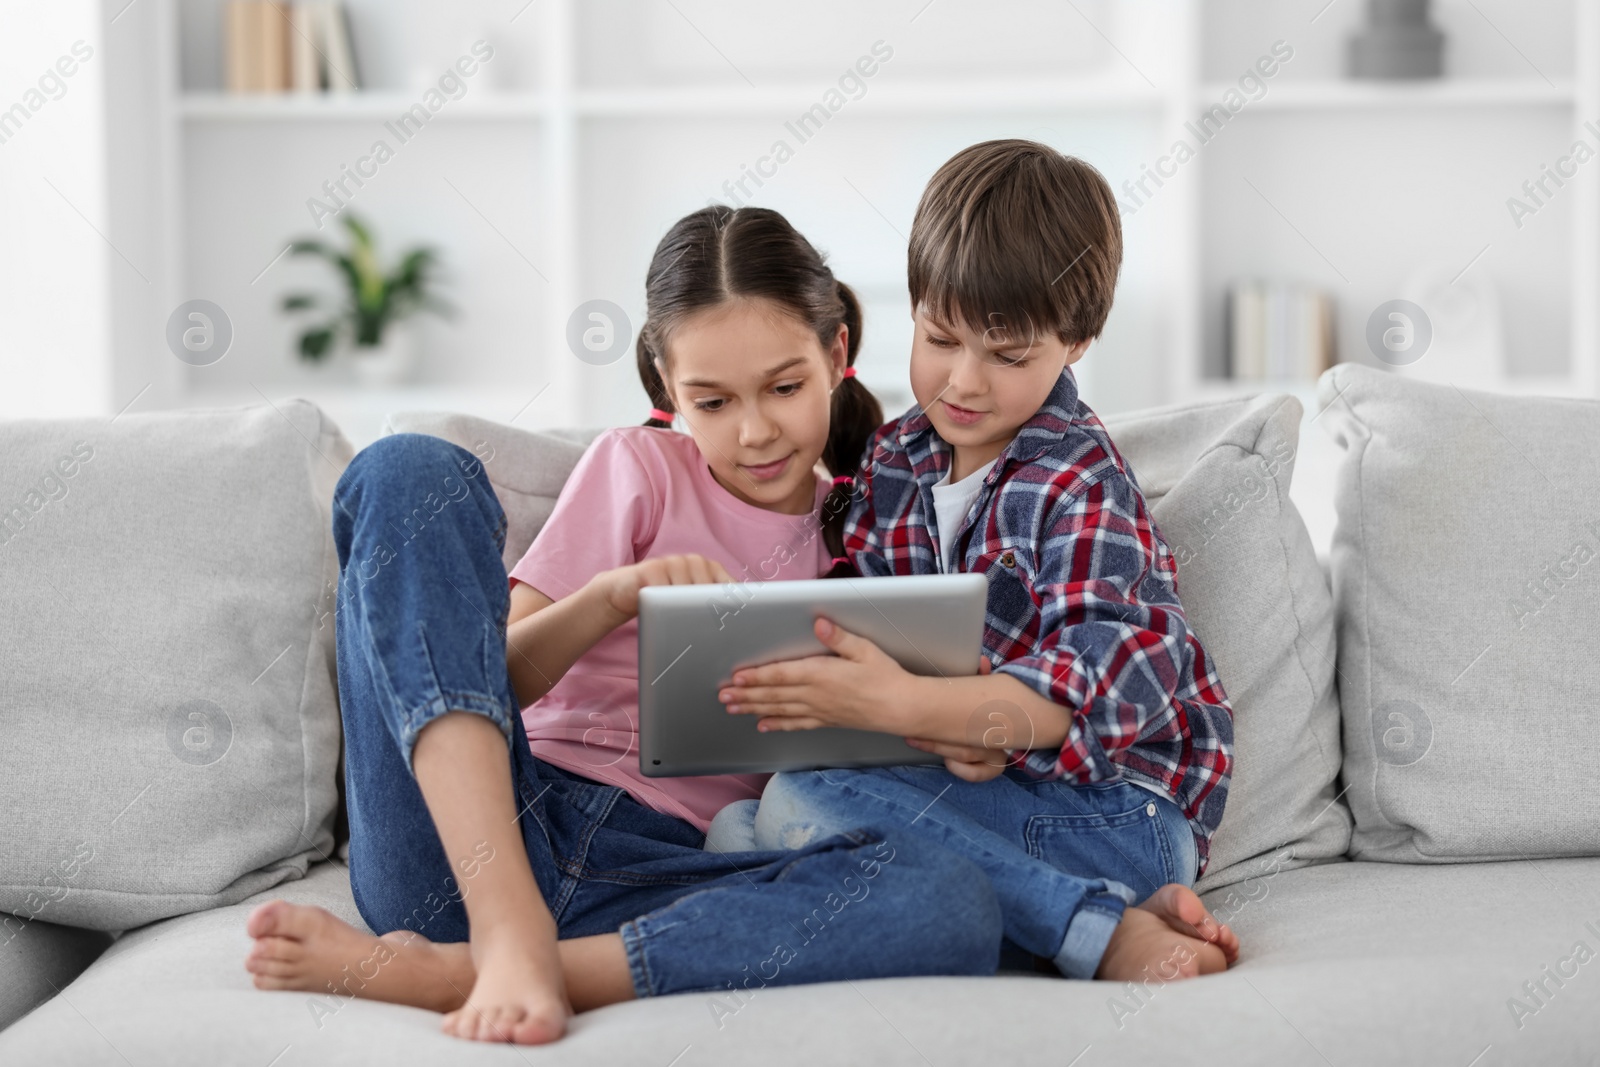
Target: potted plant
(371,316)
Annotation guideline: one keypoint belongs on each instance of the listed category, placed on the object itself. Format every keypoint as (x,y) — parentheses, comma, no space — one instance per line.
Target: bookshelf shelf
(899,98)
(1333,95)
(226,107)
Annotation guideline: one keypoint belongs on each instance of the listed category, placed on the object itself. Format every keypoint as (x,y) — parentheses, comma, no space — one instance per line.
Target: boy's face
(978,388)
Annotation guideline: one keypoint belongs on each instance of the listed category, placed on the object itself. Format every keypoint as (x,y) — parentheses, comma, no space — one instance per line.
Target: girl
(575,881)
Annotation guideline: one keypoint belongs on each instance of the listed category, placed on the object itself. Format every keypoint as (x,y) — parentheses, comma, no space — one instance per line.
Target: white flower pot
(391,361)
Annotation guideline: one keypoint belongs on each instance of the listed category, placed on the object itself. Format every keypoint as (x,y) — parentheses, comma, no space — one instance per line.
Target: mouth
(959,415)
(766,472)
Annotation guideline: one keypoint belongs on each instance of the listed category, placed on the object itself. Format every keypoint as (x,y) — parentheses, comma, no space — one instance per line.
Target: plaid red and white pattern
(1083,603)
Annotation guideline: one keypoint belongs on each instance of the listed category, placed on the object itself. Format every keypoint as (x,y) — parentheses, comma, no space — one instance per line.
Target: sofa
(1410,852)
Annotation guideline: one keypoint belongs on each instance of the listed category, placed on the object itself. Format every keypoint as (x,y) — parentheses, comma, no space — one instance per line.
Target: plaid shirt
(1083,604)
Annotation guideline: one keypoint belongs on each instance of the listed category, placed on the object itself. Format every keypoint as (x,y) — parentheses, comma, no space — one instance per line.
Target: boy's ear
(1075,352)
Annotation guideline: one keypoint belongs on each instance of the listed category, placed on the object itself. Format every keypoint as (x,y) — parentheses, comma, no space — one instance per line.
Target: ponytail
(853,416)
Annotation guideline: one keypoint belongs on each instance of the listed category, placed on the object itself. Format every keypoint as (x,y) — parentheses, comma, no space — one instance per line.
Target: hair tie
(844,478)
(849,372)
(664,416)
(838,560)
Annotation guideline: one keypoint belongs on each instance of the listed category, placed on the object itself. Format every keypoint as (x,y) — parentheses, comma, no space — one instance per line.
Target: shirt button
(1150,808)
(1008,560)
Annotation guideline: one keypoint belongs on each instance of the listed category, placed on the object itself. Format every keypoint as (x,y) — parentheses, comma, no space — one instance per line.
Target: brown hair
(718,254)
(1013,232)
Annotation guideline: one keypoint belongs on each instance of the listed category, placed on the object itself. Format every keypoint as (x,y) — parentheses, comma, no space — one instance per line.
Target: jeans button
(1150,808)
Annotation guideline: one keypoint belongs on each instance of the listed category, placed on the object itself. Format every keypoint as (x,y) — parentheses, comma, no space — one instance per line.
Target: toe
(277,948)
(279,918)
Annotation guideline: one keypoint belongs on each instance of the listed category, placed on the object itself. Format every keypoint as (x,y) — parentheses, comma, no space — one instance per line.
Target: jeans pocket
(1116,834)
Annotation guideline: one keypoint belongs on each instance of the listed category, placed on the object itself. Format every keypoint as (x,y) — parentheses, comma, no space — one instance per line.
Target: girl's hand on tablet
(620,586)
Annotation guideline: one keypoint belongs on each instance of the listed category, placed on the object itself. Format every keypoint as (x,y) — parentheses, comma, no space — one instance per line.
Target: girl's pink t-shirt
(638,493)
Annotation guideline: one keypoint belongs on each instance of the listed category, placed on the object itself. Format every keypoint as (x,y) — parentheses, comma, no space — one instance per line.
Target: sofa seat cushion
(1343,963)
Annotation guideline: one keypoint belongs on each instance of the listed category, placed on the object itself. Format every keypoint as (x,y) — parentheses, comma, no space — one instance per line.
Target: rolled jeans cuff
(490,707)
(1090,931)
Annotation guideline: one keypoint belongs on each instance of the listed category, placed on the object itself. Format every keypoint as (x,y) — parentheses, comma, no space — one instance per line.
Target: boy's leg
(1065,861)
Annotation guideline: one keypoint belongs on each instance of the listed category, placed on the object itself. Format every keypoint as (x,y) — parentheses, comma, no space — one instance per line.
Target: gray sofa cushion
(37,958)
(1217,478)
(1345,963)
(1467,565)
(167,681)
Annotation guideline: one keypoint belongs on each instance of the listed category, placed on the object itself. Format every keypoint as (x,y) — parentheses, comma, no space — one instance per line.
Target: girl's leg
(428,717)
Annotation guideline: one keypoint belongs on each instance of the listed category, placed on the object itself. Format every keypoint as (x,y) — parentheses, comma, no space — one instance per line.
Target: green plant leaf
(315,344)
(299,301)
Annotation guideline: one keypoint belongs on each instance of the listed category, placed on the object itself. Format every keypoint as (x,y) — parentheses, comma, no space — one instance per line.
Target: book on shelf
(1278,331)
(302,47)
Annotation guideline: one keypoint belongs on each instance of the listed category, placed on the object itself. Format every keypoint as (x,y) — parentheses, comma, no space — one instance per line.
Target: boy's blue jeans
(1065,859)
(420,628)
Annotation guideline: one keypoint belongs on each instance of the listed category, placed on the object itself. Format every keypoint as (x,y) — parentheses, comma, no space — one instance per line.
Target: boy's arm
(1114,637)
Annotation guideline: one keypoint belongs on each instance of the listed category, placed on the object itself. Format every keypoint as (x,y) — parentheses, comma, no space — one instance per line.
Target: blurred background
(1288,170)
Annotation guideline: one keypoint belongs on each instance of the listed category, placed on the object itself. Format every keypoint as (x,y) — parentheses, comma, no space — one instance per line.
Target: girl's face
(753,383)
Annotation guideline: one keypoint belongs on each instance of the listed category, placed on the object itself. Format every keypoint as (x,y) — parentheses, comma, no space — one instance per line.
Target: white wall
(56,270)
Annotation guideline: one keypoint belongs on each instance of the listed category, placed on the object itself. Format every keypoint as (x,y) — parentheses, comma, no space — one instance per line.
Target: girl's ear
(662,371)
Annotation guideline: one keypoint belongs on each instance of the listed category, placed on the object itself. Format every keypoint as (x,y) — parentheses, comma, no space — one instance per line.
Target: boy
(1100,743)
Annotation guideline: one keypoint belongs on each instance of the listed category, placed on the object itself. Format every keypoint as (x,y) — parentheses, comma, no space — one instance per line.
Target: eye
(791,387)
(707,404)
(939,342)
(1006,361)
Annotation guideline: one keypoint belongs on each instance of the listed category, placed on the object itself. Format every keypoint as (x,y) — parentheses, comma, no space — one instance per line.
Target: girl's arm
(545,637)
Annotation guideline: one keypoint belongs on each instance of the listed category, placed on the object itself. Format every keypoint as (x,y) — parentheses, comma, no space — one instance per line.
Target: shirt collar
(1035,437)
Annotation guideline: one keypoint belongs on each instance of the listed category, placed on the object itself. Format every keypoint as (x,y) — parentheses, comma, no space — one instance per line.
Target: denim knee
(413,471)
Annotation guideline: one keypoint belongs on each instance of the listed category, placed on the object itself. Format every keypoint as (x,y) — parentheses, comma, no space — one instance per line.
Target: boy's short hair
(1017,236)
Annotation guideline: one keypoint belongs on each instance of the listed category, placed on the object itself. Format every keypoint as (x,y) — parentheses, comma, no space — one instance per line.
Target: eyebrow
(707,383)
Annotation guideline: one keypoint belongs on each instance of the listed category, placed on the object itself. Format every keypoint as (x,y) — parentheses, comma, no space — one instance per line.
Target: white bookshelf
(609,119)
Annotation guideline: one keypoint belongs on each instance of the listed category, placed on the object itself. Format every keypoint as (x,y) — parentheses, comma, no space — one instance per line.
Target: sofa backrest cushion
(167,681)
(1217,476)
(1466,566)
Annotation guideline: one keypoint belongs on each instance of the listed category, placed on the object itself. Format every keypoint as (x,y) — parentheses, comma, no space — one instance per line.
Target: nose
(757,428)
(966,375)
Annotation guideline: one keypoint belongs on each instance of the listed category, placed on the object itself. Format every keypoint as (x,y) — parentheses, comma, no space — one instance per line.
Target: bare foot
(298,946)
(1144,948)
(1182,909)
(520,995)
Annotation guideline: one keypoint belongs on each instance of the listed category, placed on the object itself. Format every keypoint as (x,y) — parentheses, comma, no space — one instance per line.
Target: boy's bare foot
(1145,947)
(304,947)
(298,946)
(520,995)
(1181,908)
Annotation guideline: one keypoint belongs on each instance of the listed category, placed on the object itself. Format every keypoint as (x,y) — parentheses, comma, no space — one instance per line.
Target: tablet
(693,637)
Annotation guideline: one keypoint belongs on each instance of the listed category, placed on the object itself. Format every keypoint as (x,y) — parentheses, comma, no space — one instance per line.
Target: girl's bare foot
(1144,947)
(498,994)
(519,995)
(302,947)
(1181,908)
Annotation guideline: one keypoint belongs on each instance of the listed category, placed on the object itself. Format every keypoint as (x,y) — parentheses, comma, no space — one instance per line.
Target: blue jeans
(1065,859)
(420,628)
